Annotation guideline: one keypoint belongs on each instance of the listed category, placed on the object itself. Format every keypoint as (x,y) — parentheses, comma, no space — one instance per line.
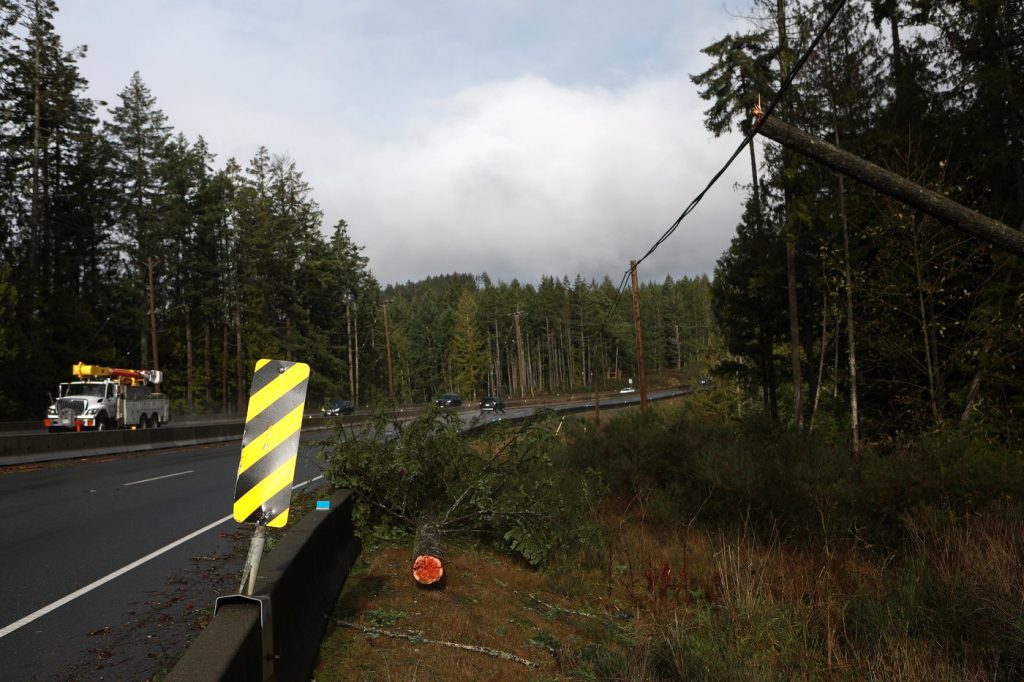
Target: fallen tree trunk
(427,559)
(899,188)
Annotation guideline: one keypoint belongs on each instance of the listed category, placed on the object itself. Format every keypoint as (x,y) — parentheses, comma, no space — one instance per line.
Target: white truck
(107,397)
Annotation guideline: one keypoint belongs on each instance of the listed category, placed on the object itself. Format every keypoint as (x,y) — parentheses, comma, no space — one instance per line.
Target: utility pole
(150,262)
(639,339)
(497,361)
(519,351)
(387,343)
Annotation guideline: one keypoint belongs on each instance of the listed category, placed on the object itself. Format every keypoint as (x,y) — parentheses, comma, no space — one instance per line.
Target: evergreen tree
(466,354)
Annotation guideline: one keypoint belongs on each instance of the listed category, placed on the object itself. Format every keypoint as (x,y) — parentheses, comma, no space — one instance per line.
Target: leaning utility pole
(387,343)
(642,374)
(889,183)
(150,262)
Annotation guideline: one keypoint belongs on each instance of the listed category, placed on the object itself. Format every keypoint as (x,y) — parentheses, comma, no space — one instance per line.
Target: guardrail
(276,632)
(41,446)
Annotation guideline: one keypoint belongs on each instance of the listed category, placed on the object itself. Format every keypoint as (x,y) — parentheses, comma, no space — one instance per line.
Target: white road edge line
(8,629)
(147,480)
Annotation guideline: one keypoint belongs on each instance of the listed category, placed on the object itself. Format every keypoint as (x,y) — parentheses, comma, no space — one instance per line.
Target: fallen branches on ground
(417,637)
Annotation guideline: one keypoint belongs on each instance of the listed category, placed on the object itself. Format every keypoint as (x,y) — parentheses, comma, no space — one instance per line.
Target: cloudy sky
(513,137)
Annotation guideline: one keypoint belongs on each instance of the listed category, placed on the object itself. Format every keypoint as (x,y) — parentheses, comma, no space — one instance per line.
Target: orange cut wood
(427,569)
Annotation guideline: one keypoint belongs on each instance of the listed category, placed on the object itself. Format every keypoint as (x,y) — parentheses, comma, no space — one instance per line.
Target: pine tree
(466,353)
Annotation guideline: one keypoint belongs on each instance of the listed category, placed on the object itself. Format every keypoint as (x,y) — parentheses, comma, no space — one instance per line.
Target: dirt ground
(494,619)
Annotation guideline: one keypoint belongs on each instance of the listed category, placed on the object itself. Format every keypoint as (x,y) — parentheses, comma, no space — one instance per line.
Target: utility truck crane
(108,397)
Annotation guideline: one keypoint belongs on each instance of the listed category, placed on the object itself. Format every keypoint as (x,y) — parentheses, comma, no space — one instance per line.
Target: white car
(628,389)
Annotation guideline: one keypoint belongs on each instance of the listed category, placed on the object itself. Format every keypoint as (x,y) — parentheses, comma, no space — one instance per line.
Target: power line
(747,139)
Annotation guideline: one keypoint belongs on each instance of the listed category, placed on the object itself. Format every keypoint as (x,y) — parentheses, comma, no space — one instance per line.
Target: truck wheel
(154,420)
(143,422)
(101,421)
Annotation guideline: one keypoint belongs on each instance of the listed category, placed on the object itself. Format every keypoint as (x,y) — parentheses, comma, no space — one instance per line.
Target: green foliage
(692,459)
(504,484)
(466,356)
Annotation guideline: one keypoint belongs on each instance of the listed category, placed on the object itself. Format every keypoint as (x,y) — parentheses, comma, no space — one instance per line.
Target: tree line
(833,296)
(99,199)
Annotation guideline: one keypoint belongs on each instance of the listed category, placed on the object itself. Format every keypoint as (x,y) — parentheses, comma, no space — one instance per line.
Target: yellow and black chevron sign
(270,442)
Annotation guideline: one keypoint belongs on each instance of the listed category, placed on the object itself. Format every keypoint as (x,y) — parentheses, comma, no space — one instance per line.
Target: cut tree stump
(427,559)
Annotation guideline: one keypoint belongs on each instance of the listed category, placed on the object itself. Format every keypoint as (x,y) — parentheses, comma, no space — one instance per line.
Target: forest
(846,501)
(831,298)
(834,294)
(99,199)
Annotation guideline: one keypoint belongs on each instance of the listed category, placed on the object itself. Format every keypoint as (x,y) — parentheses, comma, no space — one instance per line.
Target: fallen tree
(427,558)
(427,479)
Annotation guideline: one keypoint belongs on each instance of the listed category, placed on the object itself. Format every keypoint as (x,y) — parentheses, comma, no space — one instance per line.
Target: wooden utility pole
(519,352)
(150,262)
(497,359)
(899,188)
(642,374)
(348,341)
(387,344)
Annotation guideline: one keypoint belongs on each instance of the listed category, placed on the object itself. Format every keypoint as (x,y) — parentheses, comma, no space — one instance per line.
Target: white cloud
(523,177)
(519,138)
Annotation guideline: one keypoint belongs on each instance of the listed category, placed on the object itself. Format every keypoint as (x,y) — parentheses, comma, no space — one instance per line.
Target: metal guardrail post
(266,625)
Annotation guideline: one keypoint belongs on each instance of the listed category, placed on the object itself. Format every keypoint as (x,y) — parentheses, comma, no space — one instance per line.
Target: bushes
(909,566)
(504,486)
(687,458)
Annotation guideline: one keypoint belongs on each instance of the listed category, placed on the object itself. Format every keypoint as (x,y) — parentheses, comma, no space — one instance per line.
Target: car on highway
(628,389)
(492,404)
(704,381)
(449,400)
(337,407)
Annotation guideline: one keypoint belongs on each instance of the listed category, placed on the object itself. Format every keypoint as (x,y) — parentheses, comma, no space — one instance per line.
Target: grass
(489,601)
(727,550)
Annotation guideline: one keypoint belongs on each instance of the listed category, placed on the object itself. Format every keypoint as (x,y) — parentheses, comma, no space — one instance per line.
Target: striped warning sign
(270,442)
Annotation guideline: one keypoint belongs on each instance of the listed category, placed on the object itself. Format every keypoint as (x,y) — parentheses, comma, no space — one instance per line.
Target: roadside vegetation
(718,548)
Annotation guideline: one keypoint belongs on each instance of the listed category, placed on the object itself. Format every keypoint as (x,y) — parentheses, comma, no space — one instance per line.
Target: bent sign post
(270,445)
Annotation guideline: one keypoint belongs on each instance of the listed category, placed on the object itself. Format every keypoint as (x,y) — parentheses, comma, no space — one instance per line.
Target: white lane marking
(8,629)
(147,480)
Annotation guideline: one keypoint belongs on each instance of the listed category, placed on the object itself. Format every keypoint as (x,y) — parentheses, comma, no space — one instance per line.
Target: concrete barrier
(44,447)
(298,583)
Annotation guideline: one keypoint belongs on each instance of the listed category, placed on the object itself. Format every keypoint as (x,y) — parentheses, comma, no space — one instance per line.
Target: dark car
(337,407)
(492,404)
(450,400)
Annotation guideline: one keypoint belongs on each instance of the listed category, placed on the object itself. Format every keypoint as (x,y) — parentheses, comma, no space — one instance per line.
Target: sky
(514,137)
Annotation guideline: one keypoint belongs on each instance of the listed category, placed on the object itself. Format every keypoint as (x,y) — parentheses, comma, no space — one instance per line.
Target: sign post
(270,445)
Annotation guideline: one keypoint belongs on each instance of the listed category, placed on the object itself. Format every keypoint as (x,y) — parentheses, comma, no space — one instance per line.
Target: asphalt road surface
(105,566)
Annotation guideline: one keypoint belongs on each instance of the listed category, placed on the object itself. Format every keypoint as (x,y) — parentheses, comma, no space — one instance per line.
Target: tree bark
(850,335)
(821,360)
(427,558)
(794,320)
(224,373)
(189,374)
(207,366)
(239,362)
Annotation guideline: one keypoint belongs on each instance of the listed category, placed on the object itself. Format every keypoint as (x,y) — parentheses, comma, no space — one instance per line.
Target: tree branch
(418,638)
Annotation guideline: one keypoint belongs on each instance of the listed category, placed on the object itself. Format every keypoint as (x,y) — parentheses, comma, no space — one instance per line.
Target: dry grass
(700,603)
(488,601)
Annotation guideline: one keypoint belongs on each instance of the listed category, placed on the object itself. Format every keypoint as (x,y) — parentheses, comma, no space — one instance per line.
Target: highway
(107,562)
(68,608)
